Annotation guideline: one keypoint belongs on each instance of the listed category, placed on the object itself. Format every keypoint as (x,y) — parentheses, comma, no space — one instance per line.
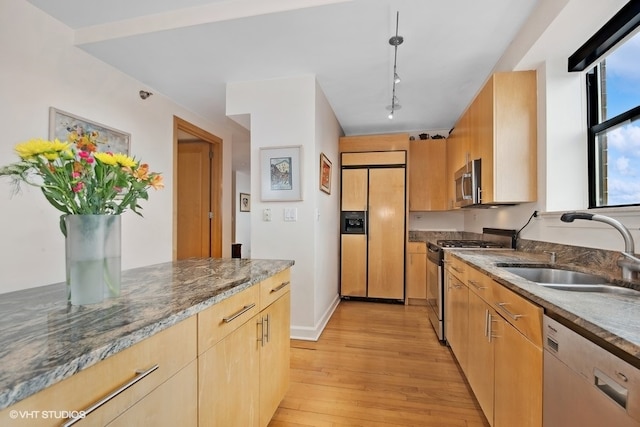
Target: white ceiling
(189,49)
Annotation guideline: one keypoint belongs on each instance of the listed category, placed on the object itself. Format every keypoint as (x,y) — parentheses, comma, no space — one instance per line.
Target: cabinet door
(353,265)
(417,275)
(229,379)
(172,404)
(518,379)
(354,189)
(481,356)
(457,318)
(427,175)
(274,357)
(386,233)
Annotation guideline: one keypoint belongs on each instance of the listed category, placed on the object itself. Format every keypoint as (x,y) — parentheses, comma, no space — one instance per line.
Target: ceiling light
(395,41)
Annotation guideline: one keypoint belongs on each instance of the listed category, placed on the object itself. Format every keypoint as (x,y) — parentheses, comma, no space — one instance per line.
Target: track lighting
(144,94)
(395,41)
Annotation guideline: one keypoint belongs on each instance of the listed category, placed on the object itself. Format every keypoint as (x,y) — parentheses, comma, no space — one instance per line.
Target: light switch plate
(266,214)
(290,214)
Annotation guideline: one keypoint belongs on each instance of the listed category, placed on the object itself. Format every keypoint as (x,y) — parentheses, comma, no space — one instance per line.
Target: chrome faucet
(629,263)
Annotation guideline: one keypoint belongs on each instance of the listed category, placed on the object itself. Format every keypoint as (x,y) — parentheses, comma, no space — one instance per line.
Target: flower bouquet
(92,189)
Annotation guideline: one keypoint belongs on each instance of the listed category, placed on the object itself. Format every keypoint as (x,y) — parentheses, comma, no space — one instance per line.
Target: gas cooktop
(463,243)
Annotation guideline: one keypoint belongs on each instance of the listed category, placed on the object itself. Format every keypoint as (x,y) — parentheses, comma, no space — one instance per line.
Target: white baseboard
(307,333)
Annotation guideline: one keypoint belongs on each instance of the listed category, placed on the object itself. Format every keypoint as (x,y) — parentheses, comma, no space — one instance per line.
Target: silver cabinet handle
(82,414)
(239,313)
(268,334)
(611,388)
(501,306)
(457,269)
(475,285)
(261,338)
(265,330)
(282,285)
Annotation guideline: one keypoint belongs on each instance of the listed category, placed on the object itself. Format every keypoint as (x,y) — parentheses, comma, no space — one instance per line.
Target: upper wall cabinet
(500,127)
(427,175)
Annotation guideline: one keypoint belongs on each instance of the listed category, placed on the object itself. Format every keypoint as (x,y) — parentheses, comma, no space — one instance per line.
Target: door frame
(216,184)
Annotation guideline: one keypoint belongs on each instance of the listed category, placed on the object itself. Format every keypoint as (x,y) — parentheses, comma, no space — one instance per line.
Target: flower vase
(92,257)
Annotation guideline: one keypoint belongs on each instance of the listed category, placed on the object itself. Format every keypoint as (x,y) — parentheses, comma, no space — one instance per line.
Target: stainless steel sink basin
(569,280)
(556,276)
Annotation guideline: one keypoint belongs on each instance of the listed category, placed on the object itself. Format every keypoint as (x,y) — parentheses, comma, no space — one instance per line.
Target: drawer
(171,350)
(481,284)
(274,287)
(525,316)
(220,320)
(416,247)
(456,267)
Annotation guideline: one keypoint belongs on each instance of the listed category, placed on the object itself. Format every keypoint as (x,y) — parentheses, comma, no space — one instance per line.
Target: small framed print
(245,202)
(281,173)
(325,174)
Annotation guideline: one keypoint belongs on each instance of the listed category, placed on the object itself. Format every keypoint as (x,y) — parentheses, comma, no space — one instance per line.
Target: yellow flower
(35,147)
(106,158)
(124,160)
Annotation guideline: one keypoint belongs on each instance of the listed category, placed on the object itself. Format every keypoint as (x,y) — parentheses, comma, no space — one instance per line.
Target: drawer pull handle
(458,270)
(239,313)
(475,285)
(501,306)
(282,285)
(82,414)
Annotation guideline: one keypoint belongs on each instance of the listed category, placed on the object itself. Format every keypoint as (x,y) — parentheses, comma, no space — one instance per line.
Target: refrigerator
(373,228)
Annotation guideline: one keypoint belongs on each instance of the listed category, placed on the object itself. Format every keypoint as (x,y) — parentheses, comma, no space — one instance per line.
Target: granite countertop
(43,340)
(611,319)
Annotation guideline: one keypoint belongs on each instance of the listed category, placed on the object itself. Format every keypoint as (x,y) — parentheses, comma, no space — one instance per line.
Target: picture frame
(325,174)
(281,173)
(245,202)
(62,123)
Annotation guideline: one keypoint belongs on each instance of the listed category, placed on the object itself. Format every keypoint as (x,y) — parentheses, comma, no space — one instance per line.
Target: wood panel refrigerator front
(372,264)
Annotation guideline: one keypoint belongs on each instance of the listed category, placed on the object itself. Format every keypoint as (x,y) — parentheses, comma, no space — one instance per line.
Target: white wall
(242,222)
(42,68)
(285,112)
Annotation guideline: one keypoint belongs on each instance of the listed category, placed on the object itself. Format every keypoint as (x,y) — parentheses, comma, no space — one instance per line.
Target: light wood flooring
(375,365)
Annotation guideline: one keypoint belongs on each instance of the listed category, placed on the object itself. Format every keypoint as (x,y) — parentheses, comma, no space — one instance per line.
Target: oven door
(435,291)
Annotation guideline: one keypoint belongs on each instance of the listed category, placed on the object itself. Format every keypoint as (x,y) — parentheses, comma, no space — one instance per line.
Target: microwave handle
(465,196)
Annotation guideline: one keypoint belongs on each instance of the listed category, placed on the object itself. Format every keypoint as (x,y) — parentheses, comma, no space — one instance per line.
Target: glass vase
(93,258)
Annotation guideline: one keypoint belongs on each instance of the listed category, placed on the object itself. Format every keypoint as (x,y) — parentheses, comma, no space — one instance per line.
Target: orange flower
(142,173)
(156,182)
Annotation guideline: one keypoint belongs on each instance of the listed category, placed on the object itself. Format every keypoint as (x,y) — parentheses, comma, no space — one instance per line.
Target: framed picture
(281,173)
(245,202)
(62,124)
(325,174)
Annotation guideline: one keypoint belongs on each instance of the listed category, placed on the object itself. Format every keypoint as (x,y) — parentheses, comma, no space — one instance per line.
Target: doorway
(197,199)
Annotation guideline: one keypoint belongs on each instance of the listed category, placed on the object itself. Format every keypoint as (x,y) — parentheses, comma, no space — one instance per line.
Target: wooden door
(417,270)
(274,358)
(481,355)
(194,201)
(386,233)
(229,372)
(518,378)
(428,175)
(354,189)
(457,318)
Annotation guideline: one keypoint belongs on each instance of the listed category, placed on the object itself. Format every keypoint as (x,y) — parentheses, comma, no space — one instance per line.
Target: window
(613,109)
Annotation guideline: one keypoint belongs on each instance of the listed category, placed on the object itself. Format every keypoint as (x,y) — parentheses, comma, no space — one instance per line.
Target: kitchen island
(44,341)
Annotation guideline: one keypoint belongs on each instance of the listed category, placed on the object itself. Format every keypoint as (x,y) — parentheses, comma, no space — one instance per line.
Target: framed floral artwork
(325,174)
(281,173)
(68,127)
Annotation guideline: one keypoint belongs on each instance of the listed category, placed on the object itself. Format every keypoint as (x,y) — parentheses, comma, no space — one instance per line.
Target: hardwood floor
(376,365)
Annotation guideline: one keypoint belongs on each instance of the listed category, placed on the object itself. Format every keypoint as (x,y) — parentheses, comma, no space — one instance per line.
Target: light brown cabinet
(417,272)
(500,128)
(427,175)
(502,358)
(457,310)
(243,367)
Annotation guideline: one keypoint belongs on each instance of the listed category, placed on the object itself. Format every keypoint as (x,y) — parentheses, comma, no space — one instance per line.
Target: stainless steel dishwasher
(585,385)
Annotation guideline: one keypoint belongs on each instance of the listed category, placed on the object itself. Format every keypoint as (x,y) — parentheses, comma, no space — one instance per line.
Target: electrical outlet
(266,214)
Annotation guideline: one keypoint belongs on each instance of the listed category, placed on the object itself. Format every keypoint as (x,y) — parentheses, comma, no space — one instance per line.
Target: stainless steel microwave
(468,190)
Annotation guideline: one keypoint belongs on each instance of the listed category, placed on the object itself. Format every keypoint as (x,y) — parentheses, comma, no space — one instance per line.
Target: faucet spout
(629,263)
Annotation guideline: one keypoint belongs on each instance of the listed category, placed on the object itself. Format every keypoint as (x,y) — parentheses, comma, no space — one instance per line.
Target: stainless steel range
(492,238)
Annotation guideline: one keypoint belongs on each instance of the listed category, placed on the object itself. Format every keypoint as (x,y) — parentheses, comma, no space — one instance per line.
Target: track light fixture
(144,94)
(395,41)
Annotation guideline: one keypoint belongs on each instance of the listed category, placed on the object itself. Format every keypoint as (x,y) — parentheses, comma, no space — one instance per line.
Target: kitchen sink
(569,280)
